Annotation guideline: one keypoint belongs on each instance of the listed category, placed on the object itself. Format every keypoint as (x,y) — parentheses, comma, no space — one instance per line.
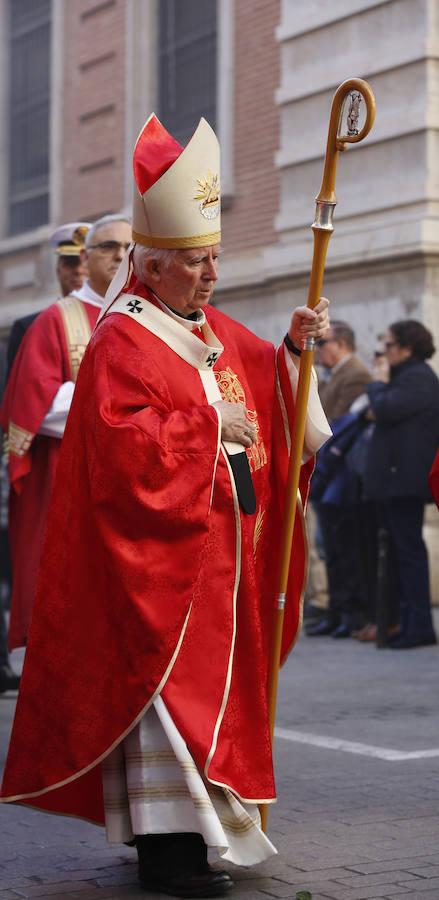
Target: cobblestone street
(358,784)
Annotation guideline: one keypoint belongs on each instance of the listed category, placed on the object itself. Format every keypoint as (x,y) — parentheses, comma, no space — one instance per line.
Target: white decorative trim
(60,784)
(232,645)
(232,651)
(317,429)
(152,785)
(218,448)
(184,343)
(213,395)
(118,283)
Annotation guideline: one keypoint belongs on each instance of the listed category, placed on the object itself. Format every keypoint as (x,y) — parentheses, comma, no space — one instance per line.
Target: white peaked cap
(69,240)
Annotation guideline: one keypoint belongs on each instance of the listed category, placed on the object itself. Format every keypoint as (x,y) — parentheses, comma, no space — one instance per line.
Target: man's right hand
(236,426)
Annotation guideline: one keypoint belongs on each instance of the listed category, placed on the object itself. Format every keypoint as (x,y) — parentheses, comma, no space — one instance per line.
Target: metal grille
(187,64)
(29,79)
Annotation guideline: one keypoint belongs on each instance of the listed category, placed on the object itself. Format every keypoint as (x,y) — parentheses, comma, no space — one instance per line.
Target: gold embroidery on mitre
(209,194)
(18,440)
(258,529)
(232,390)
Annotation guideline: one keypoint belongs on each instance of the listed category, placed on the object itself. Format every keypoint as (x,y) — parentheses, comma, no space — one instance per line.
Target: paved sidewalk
(348,825)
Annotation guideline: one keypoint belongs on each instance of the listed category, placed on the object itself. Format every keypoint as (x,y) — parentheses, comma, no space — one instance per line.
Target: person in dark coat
(338,511)
(404,398)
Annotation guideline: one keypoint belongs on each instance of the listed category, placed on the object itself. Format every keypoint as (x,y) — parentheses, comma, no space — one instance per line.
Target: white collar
(190,324)
(88,295)
(199,354)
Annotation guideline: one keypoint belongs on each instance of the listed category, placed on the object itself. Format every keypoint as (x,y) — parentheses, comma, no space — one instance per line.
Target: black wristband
(290,346)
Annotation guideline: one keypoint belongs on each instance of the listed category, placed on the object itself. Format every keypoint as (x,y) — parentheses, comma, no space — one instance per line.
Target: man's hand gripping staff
(305,323)
(344,129)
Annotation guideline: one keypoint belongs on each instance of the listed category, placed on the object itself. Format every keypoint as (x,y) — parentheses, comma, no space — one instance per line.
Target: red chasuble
(49,355)
(153,580)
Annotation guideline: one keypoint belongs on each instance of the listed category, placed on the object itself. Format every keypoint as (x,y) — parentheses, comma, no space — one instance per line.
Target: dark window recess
(29,98)
(187,65)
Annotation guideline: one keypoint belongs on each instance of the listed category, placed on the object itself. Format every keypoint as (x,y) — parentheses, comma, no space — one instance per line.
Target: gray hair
(104,220)
(141,254)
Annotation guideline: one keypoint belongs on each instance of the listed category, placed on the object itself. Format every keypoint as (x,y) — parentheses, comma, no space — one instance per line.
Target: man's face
(330,351)
(187,283)
(71,271)
(105,255)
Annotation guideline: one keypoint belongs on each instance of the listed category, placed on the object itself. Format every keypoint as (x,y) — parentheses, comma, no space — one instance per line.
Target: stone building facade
(104,81)
(276,65)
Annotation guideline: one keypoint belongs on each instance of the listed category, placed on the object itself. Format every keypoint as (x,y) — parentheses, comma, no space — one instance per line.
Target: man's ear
(83,256)
(152,269)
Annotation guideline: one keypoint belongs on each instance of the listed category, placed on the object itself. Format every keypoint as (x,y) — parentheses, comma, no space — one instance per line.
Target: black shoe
(176,864)
(342,631)
(9,681)
(210,883)
(407,643)
(321,629)
(313,613)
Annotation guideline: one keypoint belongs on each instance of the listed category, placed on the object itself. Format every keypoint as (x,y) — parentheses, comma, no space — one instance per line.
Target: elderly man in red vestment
(37,400)
(144,697)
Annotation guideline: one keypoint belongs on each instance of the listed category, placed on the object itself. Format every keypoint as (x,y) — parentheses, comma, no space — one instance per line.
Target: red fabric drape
(41,366)
(132,546)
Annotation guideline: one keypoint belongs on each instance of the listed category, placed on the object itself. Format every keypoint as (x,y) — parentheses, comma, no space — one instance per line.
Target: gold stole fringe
(77,331)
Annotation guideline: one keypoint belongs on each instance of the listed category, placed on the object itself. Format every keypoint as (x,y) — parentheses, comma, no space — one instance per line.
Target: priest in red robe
(144,696)
(37,400)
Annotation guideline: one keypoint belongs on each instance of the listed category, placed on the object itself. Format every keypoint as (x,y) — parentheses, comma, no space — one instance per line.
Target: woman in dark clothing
(404,398)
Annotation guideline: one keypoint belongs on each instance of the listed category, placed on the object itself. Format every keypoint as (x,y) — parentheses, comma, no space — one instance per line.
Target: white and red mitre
(176,195)
(177,189)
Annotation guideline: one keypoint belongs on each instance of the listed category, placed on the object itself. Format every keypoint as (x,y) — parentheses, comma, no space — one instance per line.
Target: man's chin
(202,299)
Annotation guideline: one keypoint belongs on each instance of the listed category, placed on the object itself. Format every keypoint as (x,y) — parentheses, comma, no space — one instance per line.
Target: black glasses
(109,247)
(323,341)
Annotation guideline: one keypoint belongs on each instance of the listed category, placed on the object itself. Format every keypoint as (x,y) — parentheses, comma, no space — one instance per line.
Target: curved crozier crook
(337,141)
(360,92)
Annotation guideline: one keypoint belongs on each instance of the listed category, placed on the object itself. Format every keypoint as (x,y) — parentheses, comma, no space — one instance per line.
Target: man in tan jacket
(349,376)
(339,524)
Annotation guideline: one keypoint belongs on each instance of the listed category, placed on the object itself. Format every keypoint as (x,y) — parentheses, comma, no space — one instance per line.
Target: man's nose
(211,273)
